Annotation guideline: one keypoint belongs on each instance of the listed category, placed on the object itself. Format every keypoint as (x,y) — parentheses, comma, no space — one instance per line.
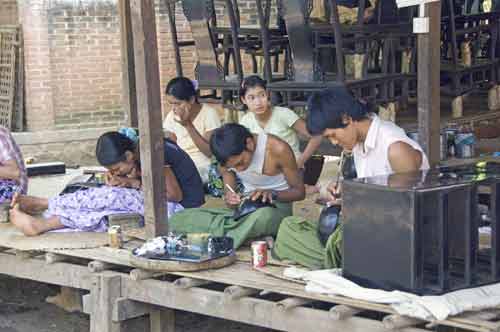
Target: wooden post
(105,290)
(150,117)
(162,320)
(128,64)
(428,84)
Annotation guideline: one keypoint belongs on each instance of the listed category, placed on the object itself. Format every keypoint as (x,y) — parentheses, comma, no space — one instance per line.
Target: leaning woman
(86,210)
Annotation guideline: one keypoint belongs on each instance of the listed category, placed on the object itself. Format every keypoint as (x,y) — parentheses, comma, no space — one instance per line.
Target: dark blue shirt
(186,173)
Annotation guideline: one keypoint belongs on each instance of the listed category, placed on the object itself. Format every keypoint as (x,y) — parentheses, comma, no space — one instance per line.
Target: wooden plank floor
(269,280)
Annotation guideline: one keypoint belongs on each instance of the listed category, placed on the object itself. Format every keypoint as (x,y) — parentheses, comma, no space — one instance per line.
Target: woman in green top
(282,122)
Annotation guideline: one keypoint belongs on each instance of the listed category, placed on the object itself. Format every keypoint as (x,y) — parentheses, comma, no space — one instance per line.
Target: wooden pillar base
(359,60)
(494,98)
(319,11)
(457,107)
(406,61)
(162,320)
(104,292)
(466,51)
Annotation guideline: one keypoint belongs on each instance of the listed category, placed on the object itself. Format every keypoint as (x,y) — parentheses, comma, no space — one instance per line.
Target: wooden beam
(125,309)
(248,310)
(51,258)
(341,312)
(138,274)
(185,283)
(292,302)
(128,64)
(62,274)
(150,117)
(396,322)
(233,293)
(429,84)
(98,266)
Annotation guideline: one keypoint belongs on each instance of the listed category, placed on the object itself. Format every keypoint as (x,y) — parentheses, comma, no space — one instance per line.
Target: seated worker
(13,177)
(379,148)
(86,210)
(190,123)
(282,122)
(266,166)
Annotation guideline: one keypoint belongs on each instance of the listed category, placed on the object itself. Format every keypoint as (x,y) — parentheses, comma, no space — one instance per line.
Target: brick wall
(8,12)
(73,61)
(85,60)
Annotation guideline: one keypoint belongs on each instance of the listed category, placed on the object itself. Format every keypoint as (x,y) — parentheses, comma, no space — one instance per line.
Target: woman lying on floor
(86,210)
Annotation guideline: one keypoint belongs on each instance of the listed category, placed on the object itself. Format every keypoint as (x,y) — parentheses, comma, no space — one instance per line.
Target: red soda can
(259,253)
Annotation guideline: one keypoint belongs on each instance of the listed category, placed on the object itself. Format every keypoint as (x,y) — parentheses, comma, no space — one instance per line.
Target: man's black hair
(228,141)
(326,109)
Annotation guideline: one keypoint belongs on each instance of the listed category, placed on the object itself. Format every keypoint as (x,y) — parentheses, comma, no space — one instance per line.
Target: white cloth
(430,308)
(253,177)
(372,157)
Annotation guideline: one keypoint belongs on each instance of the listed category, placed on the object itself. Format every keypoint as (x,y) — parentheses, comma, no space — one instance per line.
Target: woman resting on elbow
(86,210)
(13,178)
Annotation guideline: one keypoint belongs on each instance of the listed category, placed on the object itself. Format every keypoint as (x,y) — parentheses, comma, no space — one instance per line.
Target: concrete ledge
(59,136)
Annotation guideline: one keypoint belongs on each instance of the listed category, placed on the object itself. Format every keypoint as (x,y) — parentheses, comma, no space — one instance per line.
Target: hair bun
(131,133)
(196,85)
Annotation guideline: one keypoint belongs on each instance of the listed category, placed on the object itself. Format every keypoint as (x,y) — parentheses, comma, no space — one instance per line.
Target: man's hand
(232,199)
(333,192)
(263,195)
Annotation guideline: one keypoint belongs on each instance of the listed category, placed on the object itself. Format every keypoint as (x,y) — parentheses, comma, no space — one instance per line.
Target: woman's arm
(201,141)
(311,147)
(172,187)
(314,142)
(10,170)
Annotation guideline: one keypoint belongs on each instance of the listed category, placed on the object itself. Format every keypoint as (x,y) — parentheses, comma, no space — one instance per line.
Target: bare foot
(24,222)
(30,204)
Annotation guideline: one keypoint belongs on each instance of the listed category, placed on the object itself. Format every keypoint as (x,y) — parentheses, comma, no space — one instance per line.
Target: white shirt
(372,157)
(207,120)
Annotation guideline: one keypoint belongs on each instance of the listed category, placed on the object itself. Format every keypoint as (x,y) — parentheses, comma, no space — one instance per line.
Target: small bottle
(115,237)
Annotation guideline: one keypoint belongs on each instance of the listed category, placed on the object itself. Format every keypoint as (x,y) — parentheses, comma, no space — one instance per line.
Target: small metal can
(115,236)
(100,177)
(259,253)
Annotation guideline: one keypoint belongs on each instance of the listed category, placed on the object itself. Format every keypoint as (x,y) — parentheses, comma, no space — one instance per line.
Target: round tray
(177,266)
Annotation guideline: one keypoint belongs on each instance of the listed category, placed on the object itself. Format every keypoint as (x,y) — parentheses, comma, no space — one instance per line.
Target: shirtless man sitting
(267,168)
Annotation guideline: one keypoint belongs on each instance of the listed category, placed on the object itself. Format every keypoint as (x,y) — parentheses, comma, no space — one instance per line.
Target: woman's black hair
(327,108)
(111,147)
(181,88)
(229,140)
(249,83)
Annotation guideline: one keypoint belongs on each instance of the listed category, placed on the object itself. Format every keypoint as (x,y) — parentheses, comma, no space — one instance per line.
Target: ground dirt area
(23,309)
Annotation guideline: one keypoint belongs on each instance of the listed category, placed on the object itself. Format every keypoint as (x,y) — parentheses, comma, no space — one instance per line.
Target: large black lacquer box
(418,232)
